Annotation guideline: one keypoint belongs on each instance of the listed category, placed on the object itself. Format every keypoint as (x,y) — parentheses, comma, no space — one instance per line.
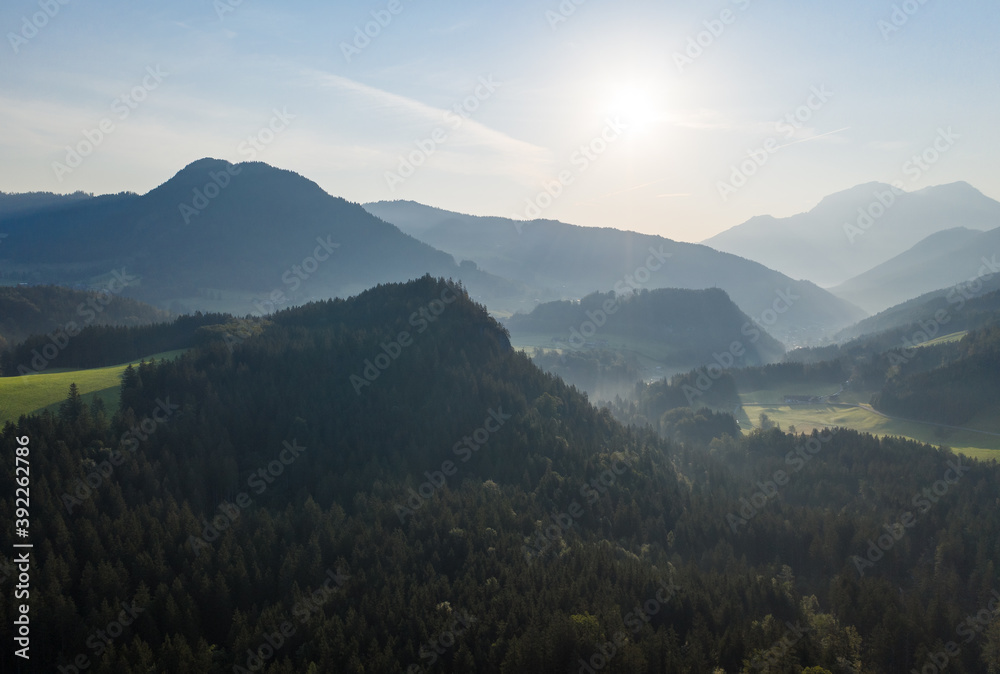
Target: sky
(680,118)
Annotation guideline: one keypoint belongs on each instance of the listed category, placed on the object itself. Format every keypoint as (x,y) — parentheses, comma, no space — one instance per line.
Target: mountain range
(245,238)
(251,238)
(564,261)
(850,232)
(952,257)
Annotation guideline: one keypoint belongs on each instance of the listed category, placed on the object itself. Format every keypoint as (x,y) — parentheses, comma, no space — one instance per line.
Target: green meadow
(35,392)
(853,412)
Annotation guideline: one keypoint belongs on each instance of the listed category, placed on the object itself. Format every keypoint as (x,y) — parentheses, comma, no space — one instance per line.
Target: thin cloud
(471,132)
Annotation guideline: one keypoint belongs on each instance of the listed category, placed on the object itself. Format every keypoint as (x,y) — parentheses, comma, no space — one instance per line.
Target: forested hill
(693,324)
(961,388)
(253,506)
(36,310)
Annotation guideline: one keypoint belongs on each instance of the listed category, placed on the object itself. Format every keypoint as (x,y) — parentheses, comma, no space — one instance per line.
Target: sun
(639,105)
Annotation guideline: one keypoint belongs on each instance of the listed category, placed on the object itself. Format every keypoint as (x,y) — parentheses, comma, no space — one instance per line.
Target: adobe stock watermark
(772,656)
(223,7)
(293,278)
(218,181)
(714,28)
(930,327)
(633,621)
(393,348)
(923,501)
(581,159)
(130,441)
(121,108)
(596,319)
(438,645)
(59,339)
(914,168)
(100,640)
(454,118)
(566,9)
(304,610)
(972,288)
(464,449)
(564,521)
(783,301)
(901,15)
(796,459)
(31,26)
(258,482)
(970,628)
(363,35)
(741,173)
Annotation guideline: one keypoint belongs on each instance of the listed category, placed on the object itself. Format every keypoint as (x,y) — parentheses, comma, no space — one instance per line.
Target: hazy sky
(680,91)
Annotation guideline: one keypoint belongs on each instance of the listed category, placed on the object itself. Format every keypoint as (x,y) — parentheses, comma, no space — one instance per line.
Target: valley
(499,338)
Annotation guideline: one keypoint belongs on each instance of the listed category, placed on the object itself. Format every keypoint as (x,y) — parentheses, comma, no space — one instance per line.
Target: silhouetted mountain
(13,204)
(850,232)
(561,261)
(954,256)
(217,235)
(690,326)
(964,306)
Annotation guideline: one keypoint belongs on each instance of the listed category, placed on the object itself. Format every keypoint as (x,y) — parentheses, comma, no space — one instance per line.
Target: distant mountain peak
(857,229)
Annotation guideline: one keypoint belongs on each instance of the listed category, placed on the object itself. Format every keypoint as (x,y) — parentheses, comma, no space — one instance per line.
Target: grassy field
(32,393)
(807,417)
(946,339)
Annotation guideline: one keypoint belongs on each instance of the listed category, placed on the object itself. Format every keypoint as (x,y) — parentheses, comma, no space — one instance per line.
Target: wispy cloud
(471,133)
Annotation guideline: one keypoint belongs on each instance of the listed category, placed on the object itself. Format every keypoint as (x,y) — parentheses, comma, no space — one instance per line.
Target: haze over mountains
(690,324)
(291,395)
(850,232)
(946,258)
(242,238)
(250,238)
(563,261)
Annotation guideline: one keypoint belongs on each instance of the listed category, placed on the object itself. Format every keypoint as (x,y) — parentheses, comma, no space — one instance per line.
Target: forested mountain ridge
(692,324)
(951,258)
(961,387)
(39,310)
(560,261)
(226,237)
(11,204)
(282,517)
(963,306)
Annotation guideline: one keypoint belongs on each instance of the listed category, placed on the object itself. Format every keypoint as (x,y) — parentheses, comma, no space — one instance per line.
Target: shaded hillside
(218,235)
(283,518)
(561,261)
(691,326)
(12,204)
(601,373)
(954,309)
(39,310)
(955,256)
(964,389)
(839,238)
(102,345)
